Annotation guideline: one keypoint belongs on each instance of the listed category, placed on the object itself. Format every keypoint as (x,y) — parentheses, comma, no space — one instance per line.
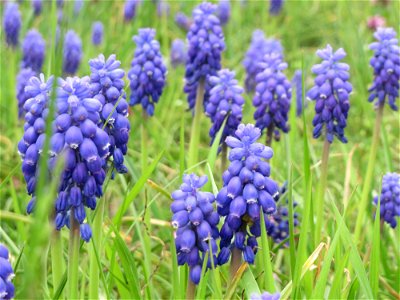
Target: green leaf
(375,252)
(235,281)
(249,283)
(176,290)
(213,153)
(266,258)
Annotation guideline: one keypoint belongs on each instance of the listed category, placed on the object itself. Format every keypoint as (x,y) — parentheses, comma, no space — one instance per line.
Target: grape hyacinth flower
(22,80)
(97,33)
(178,53)
(7,289)
(12,23)
(226,101)
(107,85)
(206,43)
(37,7)
(162,8)
(60,3)
(275,7)
(33,48)
(78,6)
(266,296)
(247,191)
(224,11)
(196,222)
(390,199)
(297,83)
(272,96)
(147,75)
(259,47)
(386,65)
(72,52)
(130,9)
(183,21)
(331,94)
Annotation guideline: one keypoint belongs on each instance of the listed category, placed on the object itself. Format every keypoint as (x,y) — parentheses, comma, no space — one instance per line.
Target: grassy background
(344,266)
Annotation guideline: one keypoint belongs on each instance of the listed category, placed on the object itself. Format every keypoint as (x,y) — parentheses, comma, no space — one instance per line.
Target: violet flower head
(7,289)
(33,48)
(266,296)
(22,80)
(297,83)
(60,3)
(224,11)
(390,199)
(331,94)
(130,9)
(72,52)
(148,72)
(205,45)
(275,7)
(163,8)
(11,23)
(178,53)
(97,33)
(37,7)
(226,102)
(107,85)
(272,96)
(386,65)
(183,21)
(78,7)
(259,47)
(247,191)
(196,222)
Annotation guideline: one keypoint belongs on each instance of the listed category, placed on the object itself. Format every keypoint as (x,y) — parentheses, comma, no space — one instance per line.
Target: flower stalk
(73,263)
(57,259)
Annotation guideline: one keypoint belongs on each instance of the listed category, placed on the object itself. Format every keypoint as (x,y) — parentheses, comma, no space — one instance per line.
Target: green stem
(236,261)
(191,289)
(270,133)
(73,262)
(370,172)
(94,278)
(57,259)
(195,132)
(319,206)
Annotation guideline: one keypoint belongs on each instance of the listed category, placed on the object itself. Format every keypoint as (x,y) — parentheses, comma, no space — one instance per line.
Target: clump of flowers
(11,23)
(78,7)
(224,11)
(272,96)
(386,65)
(178,53)
(390,199)
(247,192)
(196,222)
(226,102)
(206,43)
(22,80)
(147,74)
(72,53)
(266,296)
(130,9)
(162,8)
(107,86)
(183,21)
(37,7)
(97,33)
(275,7)
(331,94)
(7,289)
(33,48)
(297,83)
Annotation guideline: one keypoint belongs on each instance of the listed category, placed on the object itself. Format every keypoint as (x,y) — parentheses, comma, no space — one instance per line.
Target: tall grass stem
(57,259)
(73,258)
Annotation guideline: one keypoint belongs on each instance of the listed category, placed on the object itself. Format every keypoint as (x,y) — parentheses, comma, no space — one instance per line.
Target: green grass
(133,252)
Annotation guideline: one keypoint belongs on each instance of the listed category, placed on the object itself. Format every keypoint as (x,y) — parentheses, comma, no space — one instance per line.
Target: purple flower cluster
(183,21)
(224,11)
(147,74)
(178,53)
(386,65)
(259,47)
(390,198)
(33,48)
(78,7)
(297,83)
(72,53)
(196,222)
(37,7)
(206,43)
(7,289)
(162,8)
(226,102)
(275,7)
(97,33)
(247,191)
(12,23)
(22,80)
(130,9)
(107,85)
(272,95)
(331,94)
(266,296)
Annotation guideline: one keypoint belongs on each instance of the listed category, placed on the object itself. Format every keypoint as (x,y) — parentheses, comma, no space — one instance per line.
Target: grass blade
(266,258)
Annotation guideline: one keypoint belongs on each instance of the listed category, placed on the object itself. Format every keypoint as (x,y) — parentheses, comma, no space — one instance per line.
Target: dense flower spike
(266,296)
(226,101)
(162,8)
(331,94)
(78,6)
(147,75)
(297,83)
(178,53)
(22,80)
(272,96)
(183,21)
(72,53)
(107,85)
(130,9)
(224,11)
(390,198)
(33,48)
(196,222)
(275,6)
(97,33)
(247,191)
(386,65)
(206,43)
(259,47)
(12,23)
(37,7)
(7,289)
